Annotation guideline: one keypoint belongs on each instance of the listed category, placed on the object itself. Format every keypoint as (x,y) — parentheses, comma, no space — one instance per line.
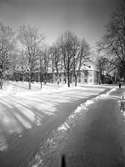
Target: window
(85,80)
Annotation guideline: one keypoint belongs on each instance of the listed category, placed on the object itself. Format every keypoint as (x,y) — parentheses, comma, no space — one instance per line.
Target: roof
(89,66)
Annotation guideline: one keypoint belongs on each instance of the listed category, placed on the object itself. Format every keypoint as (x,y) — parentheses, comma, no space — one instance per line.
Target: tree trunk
(65,77)
(30,80)
(23,76)
(52,77)
(58,80)
(68,83)
(75,80)
(41,84)
(40,79)
(1,80)
(29,84)
(1,84)
(68,75)
(45,78)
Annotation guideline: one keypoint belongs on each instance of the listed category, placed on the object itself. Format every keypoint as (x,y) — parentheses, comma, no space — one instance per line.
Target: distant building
(88,74)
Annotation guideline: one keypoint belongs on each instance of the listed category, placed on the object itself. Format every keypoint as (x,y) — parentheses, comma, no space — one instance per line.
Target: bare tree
(81,55)
(31,40)
(75,56)
(41,67)
(113,42)
(46,61)
(74,52)
(102,63)
(6,46)
(22,61)
(84,53)
(56,59)
(66,45)
(14,62)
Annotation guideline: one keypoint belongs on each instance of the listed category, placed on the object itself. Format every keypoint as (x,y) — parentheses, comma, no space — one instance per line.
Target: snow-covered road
(25,114)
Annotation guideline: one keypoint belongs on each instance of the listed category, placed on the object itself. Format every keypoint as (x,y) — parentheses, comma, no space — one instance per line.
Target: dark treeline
(111,48)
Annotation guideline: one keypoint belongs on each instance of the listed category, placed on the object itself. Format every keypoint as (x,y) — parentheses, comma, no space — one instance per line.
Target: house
(88,74)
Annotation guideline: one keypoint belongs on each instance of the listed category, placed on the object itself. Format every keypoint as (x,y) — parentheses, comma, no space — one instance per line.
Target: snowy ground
(93,134)
(21,108)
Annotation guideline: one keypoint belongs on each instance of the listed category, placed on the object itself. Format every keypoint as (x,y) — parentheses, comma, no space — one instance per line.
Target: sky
(86,18)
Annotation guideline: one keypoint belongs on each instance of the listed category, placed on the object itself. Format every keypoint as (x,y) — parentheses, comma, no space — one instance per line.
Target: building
(88,74)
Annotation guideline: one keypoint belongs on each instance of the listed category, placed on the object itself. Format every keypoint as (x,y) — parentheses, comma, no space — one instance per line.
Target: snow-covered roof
(89,66)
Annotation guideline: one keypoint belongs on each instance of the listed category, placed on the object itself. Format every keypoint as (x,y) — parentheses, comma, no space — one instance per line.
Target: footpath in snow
(93,136)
